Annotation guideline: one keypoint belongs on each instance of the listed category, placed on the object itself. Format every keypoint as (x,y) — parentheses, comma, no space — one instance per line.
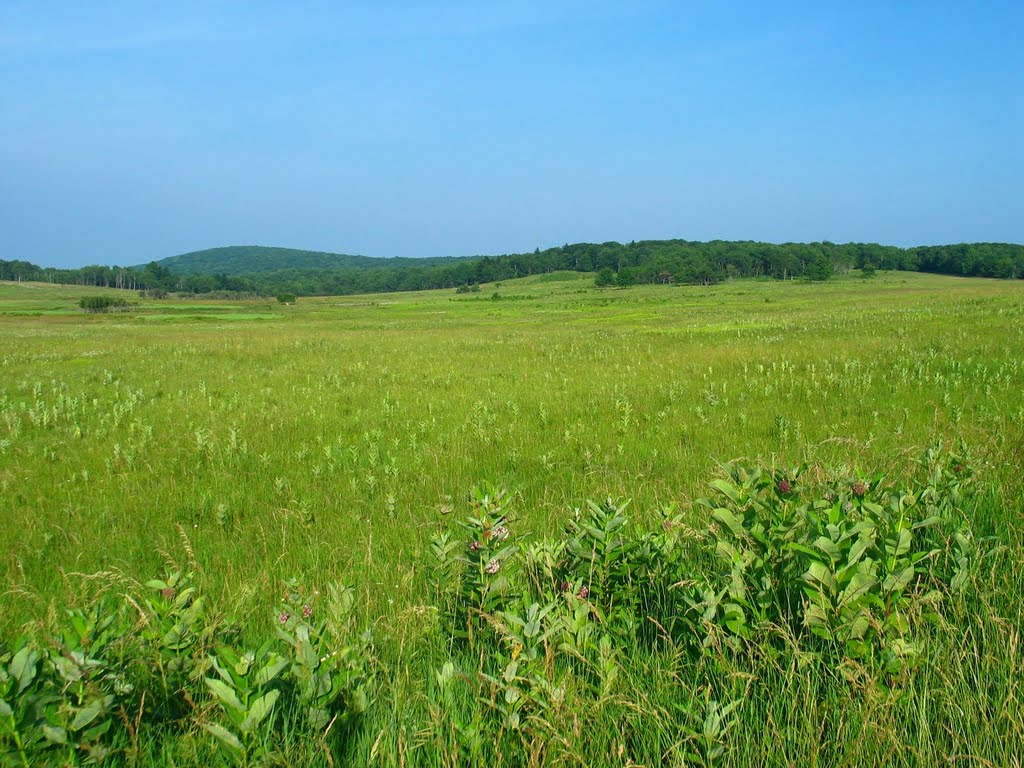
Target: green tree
(605,278)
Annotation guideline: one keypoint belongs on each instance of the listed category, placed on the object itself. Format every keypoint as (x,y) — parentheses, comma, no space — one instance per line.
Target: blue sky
(131,131)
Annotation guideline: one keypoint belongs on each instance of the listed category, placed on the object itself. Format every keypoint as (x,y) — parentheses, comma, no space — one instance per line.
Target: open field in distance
(331,439)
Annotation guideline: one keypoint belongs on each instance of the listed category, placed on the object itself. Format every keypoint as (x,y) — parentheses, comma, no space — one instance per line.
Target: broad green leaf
(225,693)
(828,547)
(859,585)
(227,739)
(271,669)
(860,626)
(23,668)
(726,488)
(318,717)
(259,710)
(87,714)
(96,731)
(860,546)
(360,701)
(55,734)
(67,668)
(805,550)
(728,519)
(904,543)
(818,573)
(897,582)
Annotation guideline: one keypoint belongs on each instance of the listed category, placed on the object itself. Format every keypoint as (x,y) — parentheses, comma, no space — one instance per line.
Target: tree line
(647,261)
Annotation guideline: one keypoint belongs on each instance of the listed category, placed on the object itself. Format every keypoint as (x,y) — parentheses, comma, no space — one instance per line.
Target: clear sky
(131,131)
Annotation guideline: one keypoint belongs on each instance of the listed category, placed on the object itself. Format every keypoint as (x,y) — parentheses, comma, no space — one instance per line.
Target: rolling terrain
(264,454)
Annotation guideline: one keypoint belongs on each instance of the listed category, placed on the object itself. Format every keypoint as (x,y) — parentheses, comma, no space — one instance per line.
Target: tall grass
(332,439)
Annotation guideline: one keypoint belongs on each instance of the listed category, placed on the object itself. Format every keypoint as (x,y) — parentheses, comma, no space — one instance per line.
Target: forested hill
(257,259)
(268,271)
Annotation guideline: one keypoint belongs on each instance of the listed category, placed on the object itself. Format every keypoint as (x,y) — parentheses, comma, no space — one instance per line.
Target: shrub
(70,696)
(606,278)
(102,303)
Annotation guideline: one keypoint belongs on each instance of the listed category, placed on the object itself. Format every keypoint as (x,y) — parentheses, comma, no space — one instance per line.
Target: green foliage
(69,698)
(175,638)
(270,271)
(328,661)
(857,565)
(606,278)
(255,259)
(331,440)
(58,702)
(286,298)
(102,303)
(474,574)
(847,571)
(246,687)
(850,570)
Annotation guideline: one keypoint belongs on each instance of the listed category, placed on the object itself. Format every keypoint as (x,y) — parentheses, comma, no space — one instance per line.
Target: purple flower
(168,593)
(307,611)
(492,567)
(584,592)
(859,489)
(283,618)
(785,486)
(500,533)
(474,546)
(565,586)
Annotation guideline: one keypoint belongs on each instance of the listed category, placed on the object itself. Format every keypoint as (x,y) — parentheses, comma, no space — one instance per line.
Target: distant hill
(272,271)
(259,259)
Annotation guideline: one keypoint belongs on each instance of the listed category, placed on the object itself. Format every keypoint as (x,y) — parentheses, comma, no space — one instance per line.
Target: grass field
(329,441)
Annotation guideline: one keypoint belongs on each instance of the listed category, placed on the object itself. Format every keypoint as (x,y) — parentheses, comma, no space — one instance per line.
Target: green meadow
(268,452)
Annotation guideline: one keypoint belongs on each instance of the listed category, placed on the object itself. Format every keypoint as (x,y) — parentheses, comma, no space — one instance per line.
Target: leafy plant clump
(103,303)
(850,569)
(80,693)
(531,635)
